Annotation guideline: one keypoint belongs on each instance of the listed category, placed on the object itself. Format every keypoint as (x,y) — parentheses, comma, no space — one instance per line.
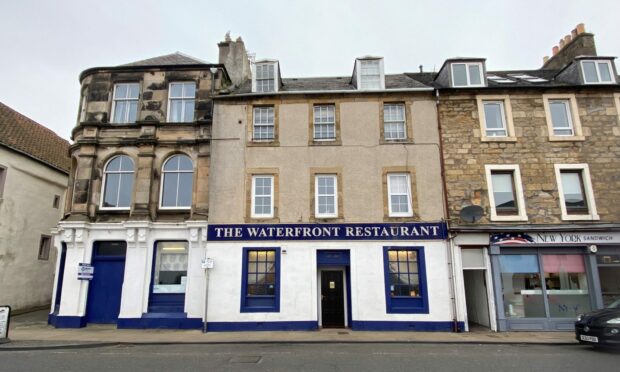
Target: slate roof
(27,136)
(176,58)
(338,83)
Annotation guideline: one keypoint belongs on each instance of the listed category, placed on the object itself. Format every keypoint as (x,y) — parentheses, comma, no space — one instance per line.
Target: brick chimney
(234,56)
(578,43)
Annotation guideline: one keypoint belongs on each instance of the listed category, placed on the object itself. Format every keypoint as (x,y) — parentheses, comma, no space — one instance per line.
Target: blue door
(104,290)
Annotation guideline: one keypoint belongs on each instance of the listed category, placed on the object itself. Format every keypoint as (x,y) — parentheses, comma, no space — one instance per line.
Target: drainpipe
(206,269)
(450,247)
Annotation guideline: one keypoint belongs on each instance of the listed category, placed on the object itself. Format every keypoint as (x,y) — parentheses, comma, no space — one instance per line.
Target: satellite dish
(471,213)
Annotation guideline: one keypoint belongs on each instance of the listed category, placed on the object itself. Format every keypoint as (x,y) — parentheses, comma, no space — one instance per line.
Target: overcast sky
(44,45)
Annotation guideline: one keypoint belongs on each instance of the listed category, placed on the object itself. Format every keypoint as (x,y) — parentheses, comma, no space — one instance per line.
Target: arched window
(177,180)
(118,183)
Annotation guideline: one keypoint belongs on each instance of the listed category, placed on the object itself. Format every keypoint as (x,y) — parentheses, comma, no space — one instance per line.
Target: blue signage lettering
(351,231)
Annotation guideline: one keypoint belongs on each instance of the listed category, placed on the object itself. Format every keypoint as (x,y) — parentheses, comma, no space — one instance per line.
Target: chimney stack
(234,56)
(578,43)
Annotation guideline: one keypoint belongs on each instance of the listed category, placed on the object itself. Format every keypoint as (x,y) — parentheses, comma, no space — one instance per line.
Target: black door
(332,299)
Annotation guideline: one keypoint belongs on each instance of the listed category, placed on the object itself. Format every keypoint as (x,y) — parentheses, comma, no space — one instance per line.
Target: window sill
(262,220)
(499,139)
(566,138)
(326,219)
(253,143)
(259,310)
(400,219)
(384,141)
(334,142)
(580,217)
(501,218)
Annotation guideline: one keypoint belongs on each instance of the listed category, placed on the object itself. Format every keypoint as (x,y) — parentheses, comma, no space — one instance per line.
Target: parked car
(599,327)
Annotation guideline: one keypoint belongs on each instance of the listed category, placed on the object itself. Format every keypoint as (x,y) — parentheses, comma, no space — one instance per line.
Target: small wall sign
(85,271)
(5,317)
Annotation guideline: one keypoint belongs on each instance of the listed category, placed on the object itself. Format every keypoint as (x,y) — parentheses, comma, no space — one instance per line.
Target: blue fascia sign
(349,231)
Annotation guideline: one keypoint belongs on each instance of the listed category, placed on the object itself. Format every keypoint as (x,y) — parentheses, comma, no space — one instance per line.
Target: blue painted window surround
(260,281)
(405,280)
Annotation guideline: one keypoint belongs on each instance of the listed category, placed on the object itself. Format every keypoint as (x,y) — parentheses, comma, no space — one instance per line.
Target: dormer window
(597,72)
(368,73)
(467,74)
(265,78)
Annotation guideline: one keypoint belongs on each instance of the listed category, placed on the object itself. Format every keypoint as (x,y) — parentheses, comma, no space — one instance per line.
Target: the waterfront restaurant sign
(556,238)
(351,231)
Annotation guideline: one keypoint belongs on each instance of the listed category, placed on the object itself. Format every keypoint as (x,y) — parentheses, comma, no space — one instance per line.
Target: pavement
(31,331)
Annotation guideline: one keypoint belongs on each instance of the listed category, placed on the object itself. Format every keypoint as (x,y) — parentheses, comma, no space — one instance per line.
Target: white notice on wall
(4,321)
(85,271)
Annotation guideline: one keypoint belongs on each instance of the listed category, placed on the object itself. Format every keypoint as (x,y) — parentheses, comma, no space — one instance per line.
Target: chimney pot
(567,39)
(545,59)
(581,28)
(574,33)
(555,50)
(421,68)
(561,43)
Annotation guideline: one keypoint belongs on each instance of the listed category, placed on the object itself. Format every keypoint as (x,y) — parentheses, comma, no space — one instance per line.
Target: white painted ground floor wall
(299,285)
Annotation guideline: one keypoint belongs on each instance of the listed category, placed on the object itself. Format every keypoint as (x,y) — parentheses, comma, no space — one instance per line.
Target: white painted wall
(26,213)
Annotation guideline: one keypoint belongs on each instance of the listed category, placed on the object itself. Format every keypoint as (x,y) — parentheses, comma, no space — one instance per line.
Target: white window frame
(467,64)
(518,187)
(317,195)
(253,214)
(359,77)
(389,192)
(617,102)
(183,98)
(598,72)
(507,118)
(161,184)
(404,121)
(115,99)
(272,124)
(573,117)
(314,123)
(588,191)
(276,76)
(103,184)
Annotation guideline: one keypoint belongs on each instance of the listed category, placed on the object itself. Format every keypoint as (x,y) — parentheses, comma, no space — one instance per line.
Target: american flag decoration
(511,238)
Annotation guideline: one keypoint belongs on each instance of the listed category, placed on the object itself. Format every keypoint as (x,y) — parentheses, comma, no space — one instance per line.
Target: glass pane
(176,90)
(170,267)
(459,74)
(189,90)
(252,278)
(521,286)
(114,165)
(567,285)
(493,116)
(185,163)
(111,190)
(176,108)
(603,69)
(188,111)
(589,72)
(133,91)
(252,256)
(573,192)
(503,192)
(610,281)
(111,248)
(169,194)
(133,112)
(120,108)
(126,164)
(126,189)
(185,190)
(559,115)
(474,74)
(121,91)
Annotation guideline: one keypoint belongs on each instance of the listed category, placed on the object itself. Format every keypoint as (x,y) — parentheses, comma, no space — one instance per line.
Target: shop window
(118,178)
(170,274)
(521,286)
(405,280)
(177,183)
(609,275)
(566,284)
(260,284)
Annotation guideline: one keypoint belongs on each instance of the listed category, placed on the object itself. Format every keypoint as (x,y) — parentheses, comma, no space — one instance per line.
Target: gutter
(425,89)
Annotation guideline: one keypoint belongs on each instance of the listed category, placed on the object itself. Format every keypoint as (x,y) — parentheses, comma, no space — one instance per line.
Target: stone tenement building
(538,151)
(327,202)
